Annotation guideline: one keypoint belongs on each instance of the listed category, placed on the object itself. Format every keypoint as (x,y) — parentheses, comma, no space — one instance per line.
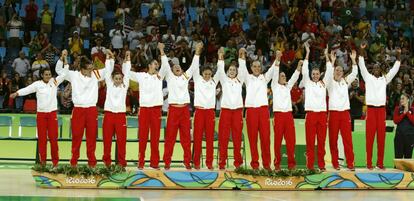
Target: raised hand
(353,55)
(398,55)
(242,53)
(333,57)
(220,53)
(278,55)
(326,50)
(109,54)
(161,47)
(299,67)
(361,50)
(199,48)
(363,45)
(64,53)
(63,56)
(127,56)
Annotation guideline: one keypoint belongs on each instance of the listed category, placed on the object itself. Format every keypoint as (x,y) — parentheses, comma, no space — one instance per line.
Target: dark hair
(42,72)
(206,68)
(405,94)
(84,62)
(151,61)
(316,68)
(255,61)
(116,72)
(227,67)
(410,101)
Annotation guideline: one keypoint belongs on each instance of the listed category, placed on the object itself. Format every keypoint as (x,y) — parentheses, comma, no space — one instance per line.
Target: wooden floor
(20,183)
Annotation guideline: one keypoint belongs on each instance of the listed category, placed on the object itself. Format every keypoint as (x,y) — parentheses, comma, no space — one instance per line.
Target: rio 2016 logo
(81,180)
(279,182)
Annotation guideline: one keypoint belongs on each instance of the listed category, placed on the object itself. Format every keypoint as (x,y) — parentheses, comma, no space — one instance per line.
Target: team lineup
(322,113)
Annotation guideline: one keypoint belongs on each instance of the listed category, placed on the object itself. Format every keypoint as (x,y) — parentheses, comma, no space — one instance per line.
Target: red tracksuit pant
(178,120)
(47,128)
(230,124)
(149,120)
(375,124)
(84,118)
(284,127)
(114,123)
(341,121)
(315,125)
(258,125)
(203,124)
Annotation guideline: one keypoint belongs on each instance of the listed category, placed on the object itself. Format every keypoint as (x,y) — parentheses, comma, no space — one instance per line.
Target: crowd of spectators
(33,39)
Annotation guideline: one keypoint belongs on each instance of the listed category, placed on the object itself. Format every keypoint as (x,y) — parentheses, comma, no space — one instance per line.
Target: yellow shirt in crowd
(47,18)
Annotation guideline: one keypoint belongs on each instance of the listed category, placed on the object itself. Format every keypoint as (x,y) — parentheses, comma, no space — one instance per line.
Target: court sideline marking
(261,196)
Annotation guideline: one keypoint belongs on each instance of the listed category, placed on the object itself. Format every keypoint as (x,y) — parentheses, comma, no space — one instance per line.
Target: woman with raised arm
(205,114)
(149,115)
(315,107)
(257,111)
(231,114)
(339,117)
(178,111)
(375,98)
(84,114)
(114,121)
(46,120)
(284,125)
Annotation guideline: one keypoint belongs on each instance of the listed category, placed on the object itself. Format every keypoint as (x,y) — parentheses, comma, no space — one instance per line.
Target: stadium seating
(215,149)
(60,124)
(2,53)
(86,44)
(27,122)
(6,121)
(132,122)
(33,34)
(228,11)
(100,126)
(263,13)
(243,150)
(246,26)
(26,51)
(29,106)
(168,9)
(326,16)
(59,13)
(192,13)
(145,10)
(221,18)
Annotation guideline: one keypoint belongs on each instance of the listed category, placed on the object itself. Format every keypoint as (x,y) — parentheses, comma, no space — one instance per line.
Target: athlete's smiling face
(232,71)
(256,69)
(117,79)
(282,78)
(47,74)
(316,75)
(339,72)
(376,70)
(404,100)
(177,71)
(207,74)
(153,66)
